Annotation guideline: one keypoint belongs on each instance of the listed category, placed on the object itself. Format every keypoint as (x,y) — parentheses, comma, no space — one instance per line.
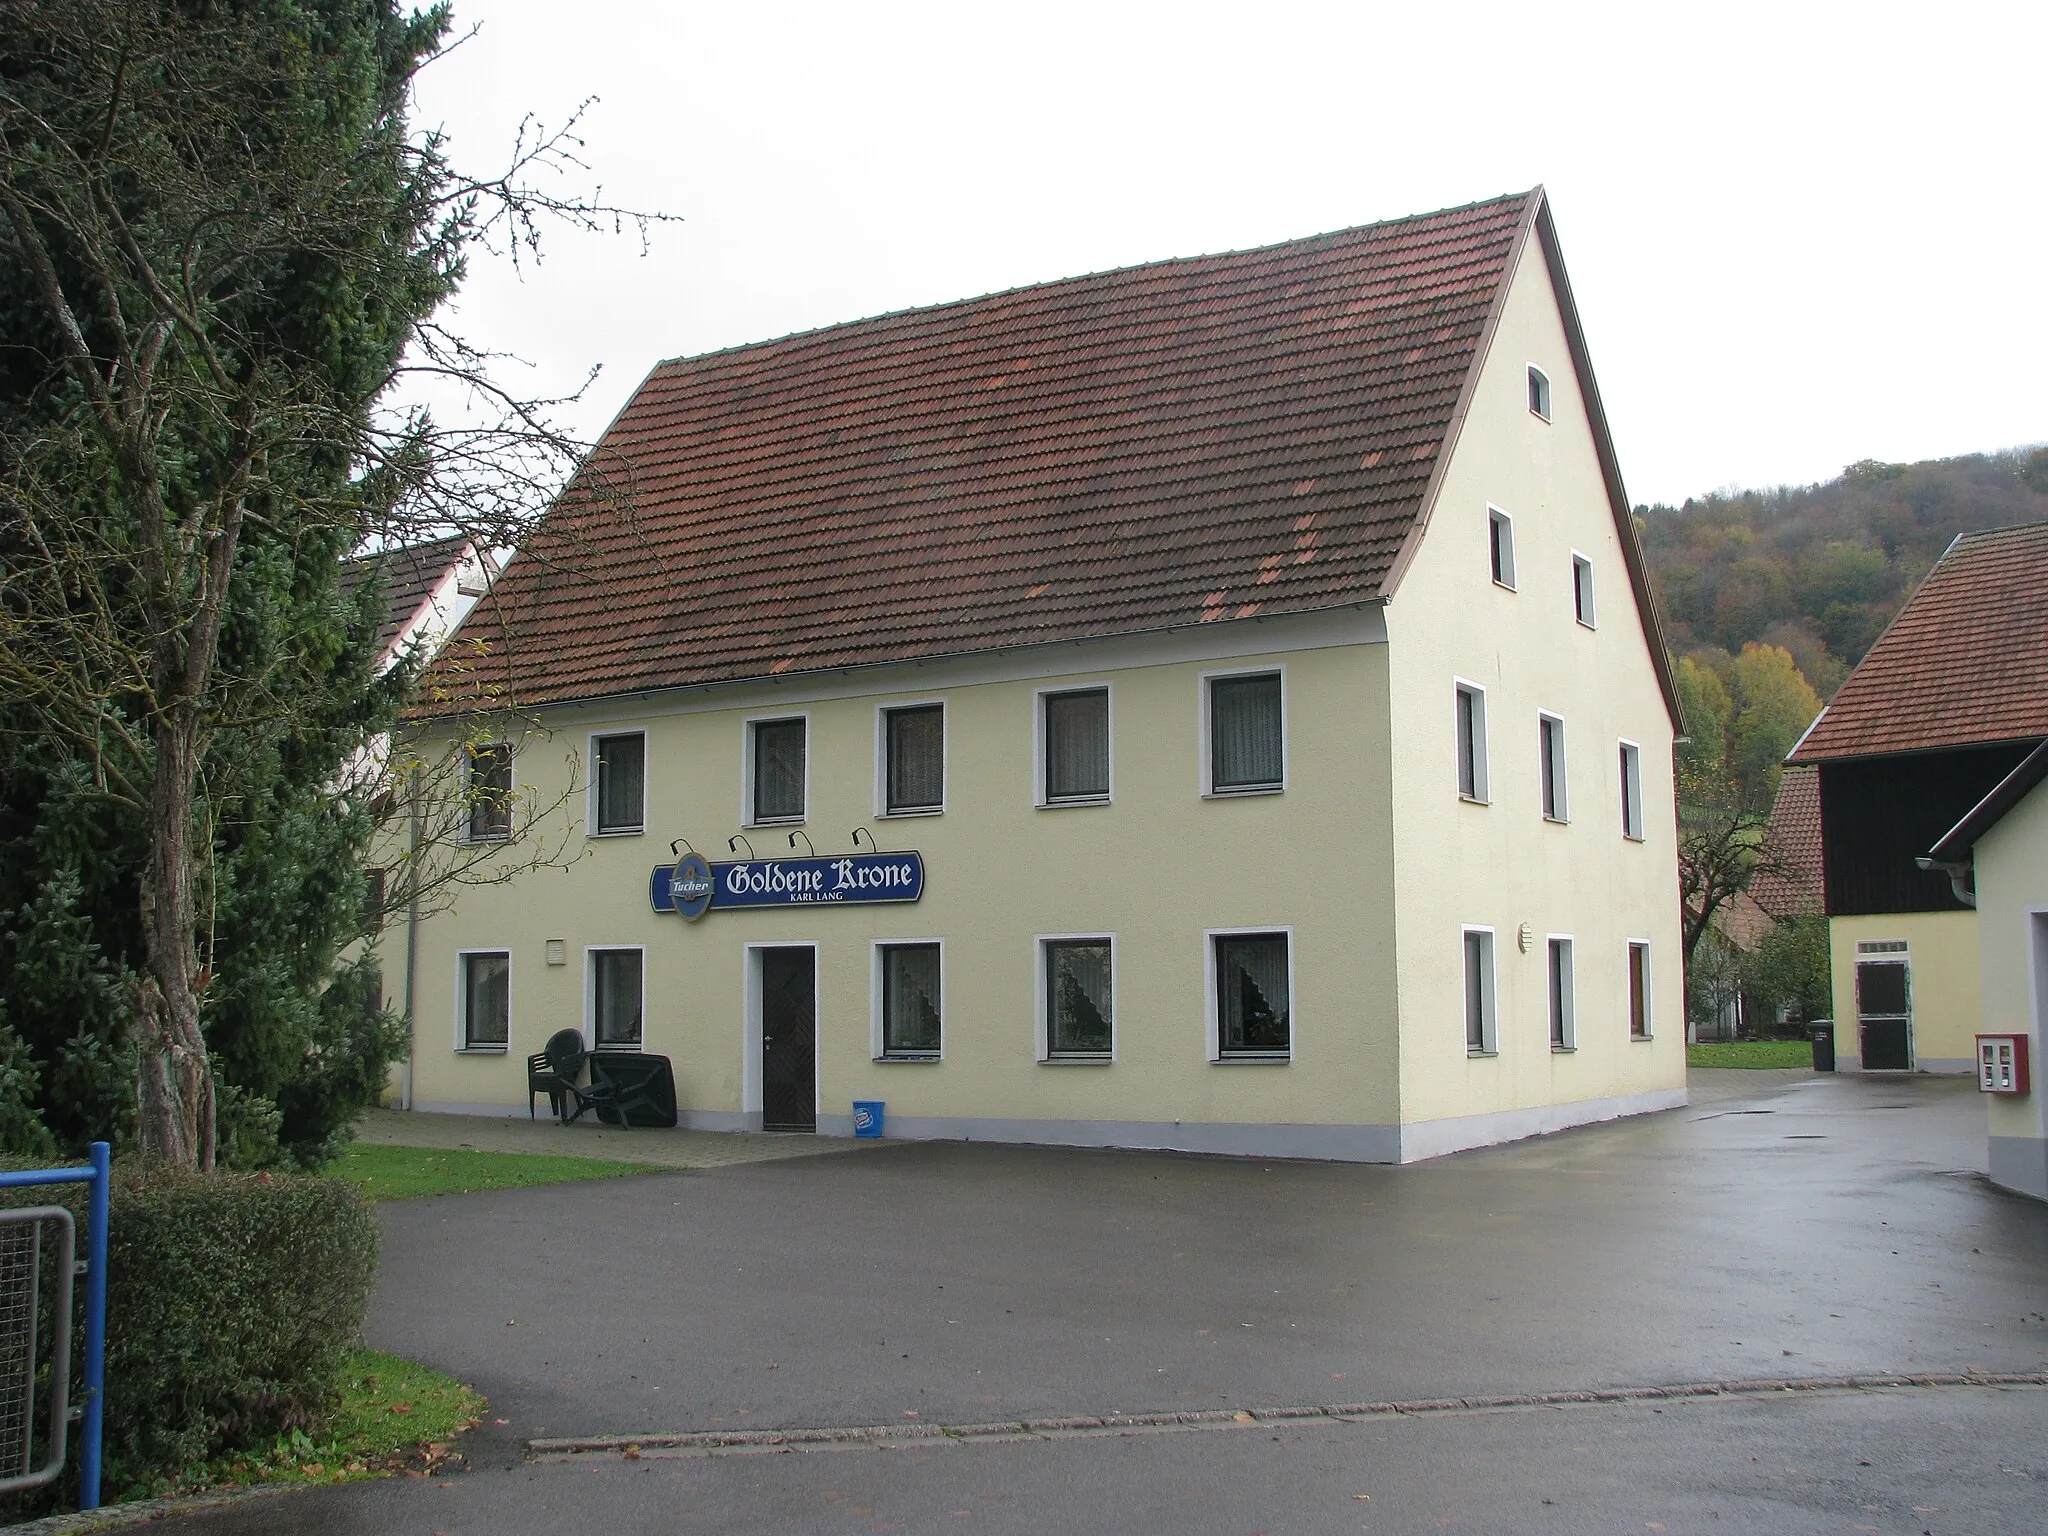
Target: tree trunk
(174,1080)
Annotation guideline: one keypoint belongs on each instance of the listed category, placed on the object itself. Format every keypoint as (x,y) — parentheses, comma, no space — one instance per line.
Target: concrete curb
(757,1441)
(113,1516)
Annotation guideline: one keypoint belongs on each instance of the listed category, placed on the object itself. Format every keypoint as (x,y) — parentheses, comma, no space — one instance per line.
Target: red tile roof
(1168,445)
(1965,663)
(1793,885)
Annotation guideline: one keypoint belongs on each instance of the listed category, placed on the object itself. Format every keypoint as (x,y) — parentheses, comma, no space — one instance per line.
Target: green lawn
(1750,1053)
(405,1173)
(394,1415)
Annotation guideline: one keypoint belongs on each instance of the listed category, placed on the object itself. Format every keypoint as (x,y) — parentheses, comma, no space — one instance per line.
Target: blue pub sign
(692,886)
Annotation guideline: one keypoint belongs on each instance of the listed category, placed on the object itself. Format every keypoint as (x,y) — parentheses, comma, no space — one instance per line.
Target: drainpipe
(412,943)
(1961,877)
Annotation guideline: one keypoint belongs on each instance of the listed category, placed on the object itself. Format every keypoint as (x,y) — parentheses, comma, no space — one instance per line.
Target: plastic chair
(565,1058)
(542,1078)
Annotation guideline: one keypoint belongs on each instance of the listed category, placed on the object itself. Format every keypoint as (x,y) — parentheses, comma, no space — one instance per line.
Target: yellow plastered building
(1246,663)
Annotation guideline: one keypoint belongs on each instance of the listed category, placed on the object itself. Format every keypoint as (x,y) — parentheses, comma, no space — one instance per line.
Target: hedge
(233,1300)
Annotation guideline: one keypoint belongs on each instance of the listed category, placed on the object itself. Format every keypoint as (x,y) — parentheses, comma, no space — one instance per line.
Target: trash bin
(1822,1033)
(867,1118)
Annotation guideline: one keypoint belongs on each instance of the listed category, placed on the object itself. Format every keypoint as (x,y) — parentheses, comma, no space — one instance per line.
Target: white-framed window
(1074,764)
(1564,1008)
(1076,997)
(1631,791)
(1482,1031)
(1251,993)
(618,783)
(1639,1019)
(1539,392)
(909,999)
(1469,722)
(1500,547)
(913,749)
(483,999)
(615,988)
(1550,751)
(1582,591)
(487,789)
(777,769)
(1244,733)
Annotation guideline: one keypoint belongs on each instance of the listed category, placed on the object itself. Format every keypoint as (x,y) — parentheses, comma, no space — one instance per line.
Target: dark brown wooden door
(789,1039)
(1884,1015)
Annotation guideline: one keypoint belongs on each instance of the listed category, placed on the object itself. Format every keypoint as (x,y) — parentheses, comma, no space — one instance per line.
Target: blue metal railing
(93,1417)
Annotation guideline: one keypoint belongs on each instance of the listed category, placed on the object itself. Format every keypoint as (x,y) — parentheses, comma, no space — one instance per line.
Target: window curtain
(1475,991)
(618,997)
(1244,731)
(487,1007)
(910,998)
(1077,745)
(1077,987)
(1468,747)
(917,758)
(778,769)
(1252,992)
(490,791)
(621,782)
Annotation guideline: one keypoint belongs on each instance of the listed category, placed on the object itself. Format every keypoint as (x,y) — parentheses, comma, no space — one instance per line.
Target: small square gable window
(1539,392)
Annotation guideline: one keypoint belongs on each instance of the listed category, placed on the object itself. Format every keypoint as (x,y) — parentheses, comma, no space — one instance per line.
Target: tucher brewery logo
(691,887)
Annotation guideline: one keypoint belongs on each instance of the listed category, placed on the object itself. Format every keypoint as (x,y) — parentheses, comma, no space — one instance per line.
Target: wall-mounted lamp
(732,845)
(801,833)
(857,831)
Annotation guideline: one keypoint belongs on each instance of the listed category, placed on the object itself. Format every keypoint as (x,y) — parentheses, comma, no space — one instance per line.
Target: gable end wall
(1502,864)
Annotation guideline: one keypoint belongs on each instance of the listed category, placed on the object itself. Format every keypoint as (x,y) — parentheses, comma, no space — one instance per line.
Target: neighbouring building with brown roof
(1948,702)
(1212,705)
(428,590)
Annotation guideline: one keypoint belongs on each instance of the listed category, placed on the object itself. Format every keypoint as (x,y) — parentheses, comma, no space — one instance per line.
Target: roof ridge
(1051,284)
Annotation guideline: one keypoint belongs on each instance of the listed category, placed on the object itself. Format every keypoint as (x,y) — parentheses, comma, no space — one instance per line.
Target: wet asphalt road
(1828,1227)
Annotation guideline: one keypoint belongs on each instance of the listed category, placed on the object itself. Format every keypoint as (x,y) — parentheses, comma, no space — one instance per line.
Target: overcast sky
(1800,234)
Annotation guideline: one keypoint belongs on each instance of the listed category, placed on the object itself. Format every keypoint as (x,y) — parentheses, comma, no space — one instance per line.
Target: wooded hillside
(1821,569)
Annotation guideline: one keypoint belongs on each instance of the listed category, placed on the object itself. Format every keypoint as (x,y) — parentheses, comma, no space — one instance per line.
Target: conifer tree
(221,246)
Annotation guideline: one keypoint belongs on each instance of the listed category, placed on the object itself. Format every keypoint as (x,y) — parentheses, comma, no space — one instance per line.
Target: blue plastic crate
(867,1118)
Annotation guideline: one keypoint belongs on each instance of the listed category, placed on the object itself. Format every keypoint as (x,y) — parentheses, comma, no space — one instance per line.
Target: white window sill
(1103,1059)
(616,1047)
(1245,792)
(492,837)
(909,1059)
(1473,799)
(1633,837)
(1641,1039)
(482,1050)
(910,812)
(1253,1059)
(1472,1055)
(1561,1050)
(780,821)
(620,832)
(1558,821)
(1505,586)
(1073,803)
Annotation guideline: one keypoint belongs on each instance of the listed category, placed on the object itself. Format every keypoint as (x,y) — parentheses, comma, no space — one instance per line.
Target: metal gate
(38,1263)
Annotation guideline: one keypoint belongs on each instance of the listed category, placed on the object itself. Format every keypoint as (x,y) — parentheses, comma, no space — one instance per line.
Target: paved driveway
(1827,1227)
